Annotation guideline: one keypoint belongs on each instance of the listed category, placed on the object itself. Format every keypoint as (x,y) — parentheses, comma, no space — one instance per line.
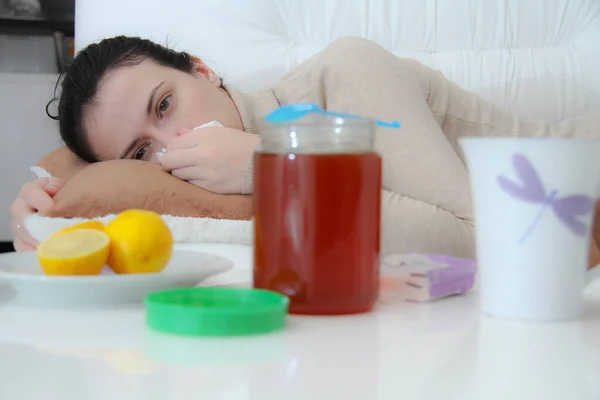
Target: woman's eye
(164,106)
(140,153)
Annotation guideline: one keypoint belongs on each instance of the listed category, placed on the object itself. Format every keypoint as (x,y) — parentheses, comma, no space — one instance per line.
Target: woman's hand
(34,196)
(212,158)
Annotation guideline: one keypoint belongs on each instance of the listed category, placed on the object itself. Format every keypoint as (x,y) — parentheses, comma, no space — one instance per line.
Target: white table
(442,350)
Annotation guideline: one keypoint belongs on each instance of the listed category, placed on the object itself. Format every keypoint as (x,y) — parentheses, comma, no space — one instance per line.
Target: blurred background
(36,36)
(36,44)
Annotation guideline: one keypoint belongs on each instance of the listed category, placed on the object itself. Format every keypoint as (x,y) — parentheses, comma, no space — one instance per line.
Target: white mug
(534,207)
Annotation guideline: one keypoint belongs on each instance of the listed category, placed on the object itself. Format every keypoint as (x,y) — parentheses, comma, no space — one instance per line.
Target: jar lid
(216,311)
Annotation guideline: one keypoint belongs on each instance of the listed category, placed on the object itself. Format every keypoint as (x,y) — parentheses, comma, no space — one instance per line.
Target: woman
(128,98)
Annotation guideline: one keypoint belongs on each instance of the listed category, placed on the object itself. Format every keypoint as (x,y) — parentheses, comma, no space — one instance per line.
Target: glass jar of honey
(316,195)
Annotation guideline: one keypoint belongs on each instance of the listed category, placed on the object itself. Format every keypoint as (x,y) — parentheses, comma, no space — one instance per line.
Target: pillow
(110,187)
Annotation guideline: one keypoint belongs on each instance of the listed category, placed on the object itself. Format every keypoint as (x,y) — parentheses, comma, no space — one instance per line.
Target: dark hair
(79,82)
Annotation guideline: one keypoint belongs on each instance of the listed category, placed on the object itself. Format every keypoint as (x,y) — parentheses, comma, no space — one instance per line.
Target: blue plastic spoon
(295,111)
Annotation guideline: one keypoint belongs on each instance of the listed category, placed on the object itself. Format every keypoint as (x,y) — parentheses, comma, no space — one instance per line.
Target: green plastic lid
(216,311)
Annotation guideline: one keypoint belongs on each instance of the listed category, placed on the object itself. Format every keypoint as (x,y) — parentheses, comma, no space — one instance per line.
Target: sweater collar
(253,107)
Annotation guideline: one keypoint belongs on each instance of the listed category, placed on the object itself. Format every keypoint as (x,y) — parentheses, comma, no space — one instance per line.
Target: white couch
(539,57)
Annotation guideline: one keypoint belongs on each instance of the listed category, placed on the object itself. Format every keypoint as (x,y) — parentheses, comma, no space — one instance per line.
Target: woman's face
(139,108)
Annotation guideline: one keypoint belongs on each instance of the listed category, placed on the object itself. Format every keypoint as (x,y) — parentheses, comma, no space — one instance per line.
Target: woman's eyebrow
(151,99)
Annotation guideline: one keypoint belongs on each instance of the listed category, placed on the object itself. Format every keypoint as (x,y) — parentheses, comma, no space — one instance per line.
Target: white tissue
(208,124)
(162,152)
(40,172)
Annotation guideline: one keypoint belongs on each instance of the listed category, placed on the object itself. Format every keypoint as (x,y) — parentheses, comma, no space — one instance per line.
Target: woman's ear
(206,71)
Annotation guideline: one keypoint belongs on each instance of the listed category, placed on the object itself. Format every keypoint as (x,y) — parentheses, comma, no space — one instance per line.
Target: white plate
(22,280)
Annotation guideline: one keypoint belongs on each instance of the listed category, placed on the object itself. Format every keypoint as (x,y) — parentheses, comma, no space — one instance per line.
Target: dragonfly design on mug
(531,190)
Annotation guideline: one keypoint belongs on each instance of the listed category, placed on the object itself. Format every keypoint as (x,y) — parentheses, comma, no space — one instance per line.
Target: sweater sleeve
(252,107)
(248,175)
(410,225)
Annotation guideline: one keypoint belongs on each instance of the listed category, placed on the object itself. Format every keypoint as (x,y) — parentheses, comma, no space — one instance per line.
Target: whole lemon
(140,242)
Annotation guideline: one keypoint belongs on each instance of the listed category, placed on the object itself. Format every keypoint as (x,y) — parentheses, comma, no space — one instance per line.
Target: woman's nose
(164,136)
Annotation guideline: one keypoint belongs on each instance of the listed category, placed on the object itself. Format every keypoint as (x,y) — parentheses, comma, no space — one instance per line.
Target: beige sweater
(426,204)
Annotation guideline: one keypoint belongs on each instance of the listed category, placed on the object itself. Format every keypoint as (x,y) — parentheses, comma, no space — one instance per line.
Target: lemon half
(92,224)
(75,252)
